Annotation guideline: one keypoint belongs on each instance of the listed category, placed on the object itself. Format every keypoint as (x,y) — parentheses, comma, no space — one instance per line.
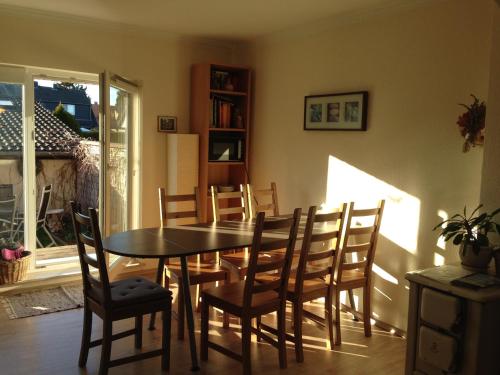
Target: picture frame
(341,111)
(167,124)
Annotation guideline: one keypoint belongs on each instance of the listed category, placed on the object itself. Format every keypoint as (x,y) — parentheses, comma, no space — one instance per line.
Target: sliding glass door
(87,152)
(119,180)
(17,162)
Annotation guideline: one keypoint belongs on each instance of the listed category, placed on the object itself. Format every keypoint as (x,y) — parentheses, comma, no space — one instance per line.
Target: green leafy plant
(6,243)
(470,229)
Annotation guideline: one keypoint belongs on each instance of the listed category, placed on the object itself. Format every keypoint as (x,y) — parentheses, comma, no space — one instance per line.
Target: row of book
(221,112)
(219,79)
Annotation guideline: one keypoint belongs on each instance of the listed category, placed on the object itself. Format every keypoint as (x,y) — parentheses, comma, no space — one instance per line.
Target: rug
(44,301)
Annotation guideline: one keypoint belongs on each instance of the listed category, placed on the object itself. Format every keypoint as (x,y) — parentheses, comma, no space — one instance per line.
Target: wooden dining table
(183,241)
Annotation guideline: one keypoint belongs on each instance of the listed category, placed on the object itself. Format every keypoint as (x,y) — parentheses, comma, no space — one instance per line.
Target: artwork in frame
(167,124)
(344,111)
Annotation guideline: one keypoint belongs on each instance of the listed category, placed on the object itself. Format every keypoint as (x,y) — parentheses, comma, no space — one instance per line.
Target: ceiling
(228,19)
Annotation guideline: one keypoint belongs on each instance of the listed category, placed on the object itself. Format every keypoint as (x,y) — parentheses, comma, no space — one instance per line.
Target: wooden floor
(50,345)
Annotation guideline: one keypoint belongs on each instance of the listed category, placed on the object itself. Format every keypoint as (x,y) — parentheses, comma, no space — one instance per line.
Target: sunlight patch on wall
(438,259)
(400,223)
(440,242)
(384,274)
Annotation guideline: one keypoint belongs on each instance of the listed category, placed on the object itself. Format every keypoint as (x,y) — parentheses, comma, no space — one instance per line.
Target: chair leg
(338,338)
(258,322)
(52,240)
(138,332)
(199,288)
(181,312)
(246,338)
(329,318)
(86,334)
(282,336)
(159,280)
(204,331)
(297,330)
(367,311)
(225,315)
(107,338)
(165,338)
(350,292)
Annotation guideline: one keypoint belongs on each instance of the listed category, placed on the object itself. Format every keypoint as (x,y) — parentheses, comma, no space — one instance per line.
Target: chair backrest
(44,203)
(359,241)
(280,265)
(325,240)
(166,215)
(234,203)
(264,200)
(8,215)
(87,233)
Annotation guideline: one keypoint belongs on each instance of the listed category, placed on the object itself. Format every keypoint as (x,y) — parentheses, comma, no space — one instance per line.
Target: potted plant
(14,262)
(471,233)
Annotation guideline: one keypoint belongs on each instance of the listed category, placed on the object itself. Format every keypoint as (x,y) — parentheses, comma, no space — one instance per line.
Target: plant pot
(14,271)
(470,258)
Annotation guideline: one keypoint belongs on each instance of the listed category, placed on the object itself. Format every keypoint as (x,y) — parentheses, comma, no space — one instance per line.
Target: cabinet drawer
(440,310)
(437,349)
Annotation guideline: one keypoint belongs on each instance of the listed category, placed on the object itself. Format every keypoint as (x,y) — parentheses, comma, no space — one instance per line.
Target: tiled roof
(52,136)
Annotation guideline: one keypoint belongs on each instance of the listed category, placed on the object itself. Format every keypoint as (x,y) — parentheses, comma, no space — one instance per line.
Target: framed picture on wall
(344,111)
(167,124)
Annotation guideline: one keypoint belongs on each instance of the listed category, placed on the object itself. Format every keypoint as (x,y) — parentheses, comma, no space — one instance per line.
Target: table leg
(189,313)
(159,278)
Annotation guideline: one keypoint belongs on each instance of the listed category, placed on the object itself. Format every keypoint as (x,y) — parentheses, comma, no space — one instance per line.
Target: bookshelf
(220,107)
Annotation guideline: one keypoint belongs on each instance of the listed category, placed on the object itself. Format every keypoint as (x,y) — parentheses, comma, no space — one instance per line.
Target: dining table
(182,242)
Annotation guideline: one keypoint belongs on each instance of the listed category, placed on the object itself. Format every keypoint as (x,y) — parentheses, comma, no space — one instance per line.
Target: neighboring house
(54,144)
(53,139)
(76,102)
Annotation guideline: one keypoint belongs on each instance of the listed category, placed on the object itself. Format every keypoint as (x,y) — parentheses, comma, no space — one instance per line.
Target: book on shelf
(220,112)
(219,79)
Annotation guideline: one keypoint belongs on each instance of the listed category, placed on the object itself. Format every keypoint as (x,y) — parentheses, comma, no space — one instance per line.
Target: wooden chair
(41,218)
(129,298)
(232,205)
(359,243)
(200,271)
(264,200)
(308,281)
(249,299)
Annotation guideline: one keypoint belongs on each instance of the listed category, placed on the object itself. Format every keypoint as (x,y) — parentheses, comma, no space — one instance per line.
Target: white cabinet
(182,163)
(451,330)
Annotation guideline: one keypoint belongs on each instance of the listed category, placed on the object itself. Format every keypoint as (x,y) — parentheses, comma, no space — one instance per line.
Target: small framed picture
(345,111)
(167,124)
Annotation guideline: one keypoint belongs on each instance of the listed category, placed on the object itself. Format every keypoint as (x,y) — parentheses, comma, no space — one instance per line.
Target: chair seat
(240,259)
(350,279)
(310,286)
(198,271)
(132,291)
(230,297)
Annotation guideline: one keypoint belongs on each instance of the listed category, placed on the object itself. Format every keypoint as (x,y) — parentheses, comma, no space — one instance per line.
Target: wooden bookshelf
(220,104)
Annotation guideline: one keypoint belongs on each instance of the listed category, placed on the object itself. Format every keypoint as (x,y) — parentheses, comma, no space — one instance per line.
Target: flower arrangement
(11,251)
(471,123)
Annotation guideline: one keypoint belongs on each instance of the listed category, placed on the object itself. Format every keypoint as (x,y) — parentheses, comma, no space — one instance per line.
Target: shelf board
(226,163)
(228,93)
(242,130)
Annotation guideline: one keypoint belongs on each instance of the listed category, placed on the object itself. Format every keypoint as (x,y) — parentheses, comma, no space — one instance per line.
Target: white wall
(417,64)
(490,188)
(161,62)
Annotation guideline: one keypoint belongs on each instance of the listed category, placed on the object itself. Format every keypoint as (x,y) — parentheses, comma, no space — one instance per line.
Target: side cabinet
(451,330)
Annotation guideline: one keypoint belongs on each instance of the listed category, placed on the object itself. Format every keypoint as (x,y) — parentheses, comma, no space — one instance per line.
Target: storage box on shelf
(220,115)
